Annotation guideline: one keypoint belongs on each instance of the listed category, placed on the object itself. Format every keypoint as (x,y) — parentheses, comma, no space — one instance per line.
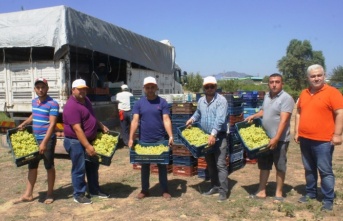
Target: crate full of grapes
(24,145)
(144,153)
(105,146)
(195,139)
(254,138)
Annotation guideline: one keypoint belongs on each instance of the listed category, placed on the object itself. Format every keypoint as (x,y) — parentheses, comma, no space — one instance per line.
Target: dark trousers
(125,127)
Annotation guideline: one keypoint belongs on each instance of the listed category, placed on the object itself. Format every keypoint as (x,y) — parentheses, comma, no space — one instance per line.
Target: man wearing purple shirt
(80,129)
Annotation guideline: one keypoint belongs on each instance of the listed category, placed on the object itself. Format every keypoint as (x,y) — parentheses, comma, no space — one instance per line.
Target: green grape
(150,150)
(23,143)
(195,136)
(105,143)
(254,137)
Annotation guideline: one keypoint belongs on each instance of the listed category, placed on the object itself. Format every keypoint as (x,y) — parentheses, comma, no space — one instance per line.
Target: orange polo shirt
(317,120)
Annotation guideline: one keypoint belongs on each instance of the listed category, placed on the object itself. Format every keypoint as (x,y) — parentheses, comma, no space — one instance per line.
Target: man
(44,117)
(212,114)
(318,128)
(276,112)
(151,114)
(124,112)
(80,129)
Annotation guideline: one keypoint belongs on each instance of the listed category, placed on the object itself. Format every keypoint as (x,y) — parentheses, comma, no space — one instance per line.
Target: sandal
(278,199)
(49,200)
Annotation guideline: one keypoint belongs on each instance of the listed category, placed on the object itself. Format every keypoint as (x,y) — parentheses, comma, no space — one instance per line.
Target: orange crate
(185,170)
(183,108)
(181,150)
(137,166)
(202,163)
(154,168)
(98,91)
(236,118)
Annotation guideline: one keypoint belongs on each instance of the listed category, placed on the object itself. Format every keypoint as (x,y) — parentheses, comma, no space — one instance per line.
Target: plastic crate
(96,97)
(163,158)
(233,119)
(197,151)
(180,150)
(136,166)
(202,163)
(233,100)
(180,117)
(187,171)
(234,166)
(154,168)
(183,108)
(256,152)
(184,160)
(235,110)
(24,159)
(234,138)
(102,159)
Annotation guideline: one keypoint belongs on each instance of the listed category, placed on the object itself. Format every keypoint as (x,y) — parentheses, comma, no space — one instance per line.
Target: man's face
(150,89)
(210,89)
(41,89)
(275,84)
(79,93)
(316,78)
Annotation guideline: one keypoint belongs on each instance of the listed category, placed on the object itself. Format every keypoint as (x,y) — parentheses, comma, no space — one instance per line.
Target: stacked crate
(249,98)
(236,155)
(260,98)
(184,164)
(180,113)
(202,169)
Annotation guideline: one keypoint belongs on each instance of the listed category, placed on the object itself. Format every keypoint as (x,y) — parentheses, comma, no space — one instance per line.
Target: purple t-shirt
(75,112)
(151,128)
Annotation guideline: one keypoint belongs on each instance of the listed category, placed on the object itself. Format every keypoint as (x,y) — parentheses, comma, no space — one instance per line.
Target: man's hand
(90,151)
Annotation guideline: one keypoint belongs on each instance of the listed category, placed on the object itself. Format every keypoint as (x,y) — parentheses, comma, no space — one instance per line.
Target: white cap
(209,80)
(79,83)
(149,80)
(124,87)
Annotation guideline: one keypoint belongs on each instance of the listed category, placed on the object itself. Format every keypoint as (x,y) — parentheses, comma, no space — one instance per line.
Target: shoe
(327,206)
(212,191)
(142,195)
(82,200)
(222,197)
(101,195)
(305,199)
(166,196)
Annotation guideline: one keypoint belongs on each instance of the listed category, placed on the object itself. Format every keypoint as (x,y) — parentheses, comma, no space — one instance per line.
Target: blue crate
(102,159)
(185,160)
(235,110)
(164,158)
(180,117)
(233,100)
(197,151)
(236,165)
(256,152)
(234,138)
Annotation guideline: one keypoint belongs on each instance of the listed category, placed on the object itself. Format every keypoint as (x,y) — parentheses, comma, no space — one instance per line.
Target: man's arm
(168,126)
(133,128)
(337,136)
(296,126)
(26,122)
(83,139)
(49,132)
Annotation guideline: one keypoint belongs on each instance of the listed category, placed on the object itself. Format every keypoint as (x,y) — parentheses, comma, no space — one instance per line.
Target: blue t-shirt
(41,112)
(151,127)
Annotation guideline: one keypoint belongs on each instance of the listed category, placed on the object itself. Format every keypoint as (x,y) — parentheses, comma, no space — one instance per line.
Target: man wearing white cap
(212,114)
(80,129)
(151,114)
(124,112)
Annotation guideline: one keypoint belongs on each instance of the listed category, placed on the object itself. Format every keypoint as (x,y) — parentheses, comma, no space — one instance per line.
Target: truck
(62,44)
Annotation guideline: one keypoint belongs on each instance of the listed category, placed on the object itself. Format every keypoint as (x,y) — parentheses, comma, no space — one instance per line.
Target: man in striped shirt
(43,118)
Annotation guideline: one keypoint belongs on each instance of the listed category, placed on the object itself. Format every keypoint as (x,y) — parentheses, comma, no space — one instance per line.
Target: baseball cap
(79,83)
(124,87)
(42,80)
(209,80)
(149,80)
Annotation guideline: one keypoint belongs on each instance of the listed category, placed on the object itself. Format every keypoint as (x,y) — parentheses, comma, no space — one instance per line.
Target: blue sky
(211,37)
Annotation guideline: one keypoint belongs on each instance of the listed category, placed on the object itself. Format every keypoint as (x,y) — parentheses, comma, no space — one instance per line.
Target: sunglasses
(209,86)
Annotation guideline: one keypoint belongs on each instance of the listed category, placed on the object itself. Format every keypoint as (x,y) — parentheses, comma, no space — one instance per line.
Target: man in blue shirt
(44,115)
(151,114)
(212,115)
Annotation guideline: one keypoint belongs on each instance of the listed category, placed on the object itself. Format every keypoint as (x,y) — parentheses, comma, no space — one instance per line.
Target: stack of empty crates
(184,164)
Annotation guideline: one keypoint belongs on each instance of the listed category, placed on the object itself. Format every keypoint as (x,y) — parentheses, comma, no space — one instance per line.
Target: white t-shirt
(124,100)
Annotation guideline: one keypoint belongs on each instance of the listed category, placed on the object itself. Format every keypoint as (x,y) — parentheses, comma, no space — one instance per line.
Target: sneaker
(101,195)
(142,195)
(166,196)
(212,191)
(82,200)
(327,206)
(305,199)
(222,197)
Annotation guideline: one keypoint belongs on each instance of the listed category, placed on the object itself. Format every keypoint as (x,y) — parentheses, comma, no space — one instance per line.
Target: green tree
(299,55)
(194,82)
(337,74)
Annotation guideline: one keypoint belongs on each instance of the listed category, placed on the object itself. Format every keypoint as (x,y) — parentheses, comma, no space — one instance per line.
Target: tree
(194,82)
(337,74)
(299,55)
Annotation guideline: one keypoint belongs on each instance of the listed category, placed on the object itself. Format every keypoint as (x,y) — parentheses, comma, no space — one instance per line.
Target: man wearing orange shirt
(318,128)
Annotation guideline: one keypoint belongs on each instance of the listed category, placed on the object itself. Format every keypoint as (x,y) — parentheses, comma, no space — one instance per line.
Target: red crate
(98,91)
(180,150)
(185,170)
(137,166)
(154,168)
(202,163)
(236,118)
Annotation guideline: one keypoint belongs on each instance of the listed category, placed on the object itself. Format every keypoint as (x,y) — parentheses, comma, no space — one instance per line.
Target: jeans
(162,176)
(125,127)
(81,168)
(216,163)
(317,155)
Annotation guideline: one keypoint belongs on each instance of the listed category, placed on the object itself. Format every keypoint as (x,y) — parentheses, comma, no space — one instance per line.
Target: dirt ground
(123,183)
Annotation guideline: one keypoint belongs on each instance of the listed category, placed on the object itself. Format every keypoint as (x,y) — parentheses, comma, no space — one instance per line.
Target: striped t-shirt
(40,115)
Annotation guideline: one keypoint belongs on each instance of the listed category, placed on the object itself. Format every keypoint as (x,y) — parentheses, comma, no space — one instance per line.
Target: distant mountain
(231,74)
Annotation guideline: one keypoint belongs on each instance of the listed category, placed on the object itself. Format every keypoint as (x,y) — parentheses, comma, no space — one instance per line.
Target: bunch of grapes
(195,136)
(150,150)
(105,143)
(254,137)
(23,143)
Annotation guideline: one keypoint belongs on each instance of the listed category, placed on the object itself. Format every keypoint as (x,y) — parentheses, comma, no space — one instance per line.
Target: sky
(212,37)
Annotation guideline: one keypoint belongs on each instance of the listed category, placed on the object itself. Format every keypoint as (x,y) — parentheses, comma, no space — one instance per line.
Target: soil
(123,183)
